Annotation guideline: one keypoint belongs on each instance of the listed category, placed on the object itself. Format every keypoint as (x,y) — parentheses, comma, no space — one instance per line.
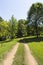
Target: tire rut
(29,59)
(9,58)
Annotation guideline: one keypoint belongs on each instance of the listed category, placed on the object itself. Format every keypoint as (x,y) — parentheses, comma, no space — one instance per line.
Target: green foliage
(35,16)
(3,29)
(1,19)
(21,28)
(13,27)
(32,26)
(8,29)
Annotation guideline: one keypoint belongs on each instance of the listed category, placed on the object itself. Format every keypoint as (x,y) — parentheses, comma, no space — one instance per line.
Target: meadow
(5,47)
(37,51)
(36,47)
(19,57)
(35,44)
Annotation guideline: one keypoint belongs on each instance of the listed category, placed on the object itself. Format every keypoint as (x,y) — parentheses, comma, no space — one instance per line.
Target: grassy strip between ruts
(37,51)
(19,57)
(5,47)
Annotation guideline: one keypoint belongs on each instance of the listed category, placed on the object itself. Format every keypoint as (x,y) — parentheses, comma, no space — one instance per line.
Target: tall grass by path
(19,57)
(5,47)
(37,51)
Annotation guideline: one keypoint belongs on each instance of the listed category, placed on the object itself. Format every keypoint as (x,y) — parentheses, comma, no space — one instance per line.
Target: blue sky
(18,8)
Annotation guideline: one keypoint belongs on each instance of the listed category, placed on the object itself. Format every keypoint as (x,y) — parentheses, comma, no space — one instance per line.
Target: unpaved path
(10,55)
(29,59)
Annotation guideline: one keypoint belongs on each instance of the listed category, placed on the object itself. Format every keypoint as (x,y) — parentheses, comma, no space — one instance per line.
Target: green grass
(19,57)
(36,46)
(37,51)
(5,47)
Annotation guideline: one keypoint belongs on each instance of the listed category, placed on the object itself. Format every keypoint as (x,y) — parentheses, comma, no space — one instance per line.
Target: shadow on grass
(27,40)
(6,41)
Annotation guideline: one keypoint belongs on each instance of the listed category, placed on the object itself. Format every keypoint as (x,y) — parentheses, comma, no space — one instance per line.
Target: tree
(3,30)
(21,28)
(35,13)
(13,27)
(1,19)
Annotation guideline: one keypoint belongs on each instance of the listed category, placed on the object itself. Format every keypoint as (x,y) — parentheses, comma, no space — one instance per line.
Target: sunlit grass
(19,57)
(37,51)
(5,47)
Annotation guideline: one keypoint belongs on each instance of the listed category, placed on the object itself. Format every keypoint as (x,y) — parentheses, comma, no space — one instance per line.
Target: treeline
(21,28)
(12,28)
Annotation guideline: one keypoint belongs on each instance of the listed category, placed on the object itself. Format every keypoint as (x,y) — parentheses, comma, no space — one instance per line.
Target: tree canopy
(35,16)
(21,28)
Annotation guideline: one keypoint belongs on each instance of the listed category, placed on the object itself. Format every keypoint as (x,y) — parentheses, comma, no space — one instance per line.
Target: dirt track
(9,58)
(29,59)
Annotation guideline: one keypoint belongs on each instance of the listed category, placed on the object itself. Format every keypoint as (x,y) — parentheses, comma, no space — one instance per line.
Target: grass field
(36,46)
(5,47)
(19,57)
(37,51)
